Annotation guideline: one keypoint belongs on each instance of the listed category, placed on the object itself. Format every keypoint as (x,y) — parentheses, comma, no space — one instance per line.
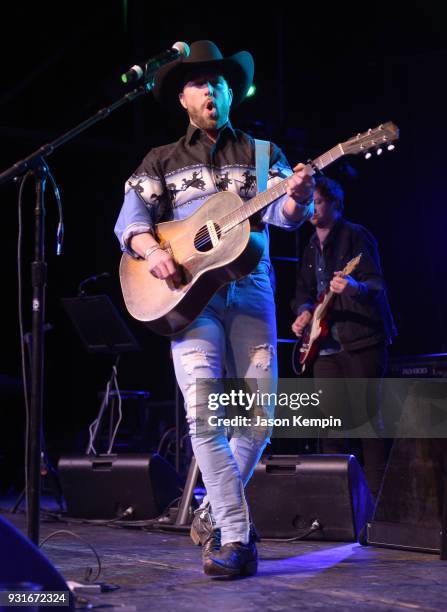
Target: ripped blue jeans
(234,337)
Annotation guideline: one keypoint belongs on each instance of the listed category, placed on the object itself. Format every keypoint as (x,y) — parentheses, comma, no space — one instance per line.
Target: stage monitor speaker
(288,492)
(23,567)
(409,511)
(105,486)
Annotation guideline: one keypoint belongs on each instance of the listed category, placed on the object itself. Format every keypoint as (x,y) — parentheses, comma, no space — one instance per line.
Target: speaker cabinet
(412,501)
(287,493)
(23,567)
(104,486)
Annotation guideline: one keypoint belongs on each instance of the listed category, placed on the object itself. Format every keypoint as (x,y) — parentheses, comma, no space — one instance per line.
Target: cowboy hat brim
(238,70)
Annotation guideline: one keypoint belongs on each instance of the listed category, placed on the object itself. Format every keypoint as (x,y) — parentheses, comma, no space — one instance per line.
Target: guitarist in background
(235,335)
(360,321)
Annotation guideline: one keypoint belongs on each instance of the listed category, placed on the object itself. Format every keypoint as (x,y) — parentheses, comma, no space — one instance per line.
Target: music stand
(102,330)
(99,325)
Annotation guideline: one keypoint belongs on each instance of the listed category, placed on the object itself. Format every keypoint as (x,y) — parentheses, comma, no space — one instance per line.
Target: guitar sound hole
(206,239)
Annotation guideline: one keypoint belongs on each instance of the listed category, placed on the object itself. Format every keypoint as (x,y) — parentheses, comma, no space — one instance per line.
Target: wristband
(148,252)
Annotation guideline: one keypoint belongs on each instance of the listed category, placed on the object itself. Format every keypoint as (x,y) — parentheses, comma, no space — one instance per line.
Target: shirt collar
(193,132)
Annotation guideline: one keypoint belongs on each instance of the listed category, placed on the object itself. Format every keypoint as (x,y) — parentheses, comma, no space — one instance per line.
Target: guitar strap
(262,159)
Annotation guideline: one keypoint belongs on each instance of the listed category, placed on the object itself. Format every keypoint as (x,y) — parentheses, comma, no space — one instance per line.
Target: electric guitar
(318,327)
(215,246)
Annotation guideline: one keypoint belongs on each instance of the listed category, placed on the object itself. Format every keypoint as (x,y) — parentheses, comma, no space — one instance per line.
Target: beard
(205,121)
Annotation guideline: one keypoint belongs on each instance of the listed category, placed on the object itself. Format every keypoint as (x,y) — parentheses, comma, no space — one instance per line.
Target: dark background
(321,77)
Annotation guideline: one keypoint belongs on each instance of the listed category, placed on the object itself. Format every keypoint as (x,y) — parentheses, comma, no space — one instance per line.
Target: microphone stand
(35,164)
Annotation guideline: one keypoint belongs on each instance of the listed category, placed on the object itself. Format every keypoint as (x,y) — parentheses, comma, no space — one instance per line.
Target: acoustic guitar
(215,246)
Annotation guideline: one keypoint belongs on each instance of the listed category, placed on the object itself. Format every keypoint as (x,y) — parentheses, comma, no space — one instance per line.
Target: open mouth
(210,106)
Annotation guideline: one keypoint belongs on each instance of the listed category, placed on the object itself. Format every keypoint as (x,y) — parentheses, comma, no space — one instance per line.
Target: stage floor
(162,571)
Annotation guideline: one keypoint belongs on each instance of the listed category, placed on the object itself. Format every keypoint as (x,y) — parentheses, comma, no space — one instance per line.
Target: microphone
(90,279)
(178,49)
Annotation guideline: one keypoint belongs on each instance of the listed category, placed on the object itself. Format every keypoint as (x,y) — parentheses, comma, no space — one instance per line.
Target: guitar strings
(202,236)
(319,162)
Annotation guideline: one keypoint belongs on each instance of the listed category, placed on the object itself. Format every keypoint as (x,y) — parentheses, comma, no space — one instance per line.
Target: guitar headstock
(351,265)
(378,138)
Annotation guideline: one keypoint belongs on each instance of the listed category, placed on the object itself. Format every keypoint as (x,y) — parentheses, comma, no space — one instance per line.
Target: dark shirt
(361,320)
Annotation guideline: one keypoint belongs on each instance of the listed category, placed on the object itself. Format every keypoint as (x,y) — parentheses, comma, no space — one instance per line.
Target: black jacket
(362,320)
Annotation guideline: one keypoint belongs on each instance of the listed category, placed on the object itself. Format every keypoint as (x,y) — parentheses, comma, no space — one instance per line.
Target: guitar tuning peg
(379,151)
(390,147)
(367,155)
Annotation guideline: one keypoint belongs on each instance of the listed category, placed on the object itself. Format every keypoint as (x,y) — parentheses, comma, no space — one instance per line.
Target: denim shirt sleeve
(142,196)
(274,214)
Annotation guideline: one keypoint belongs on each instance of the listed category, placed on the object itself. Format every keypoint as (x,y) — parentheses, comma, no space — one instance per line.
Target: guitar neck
(260,201)
(383,135)
(326,303)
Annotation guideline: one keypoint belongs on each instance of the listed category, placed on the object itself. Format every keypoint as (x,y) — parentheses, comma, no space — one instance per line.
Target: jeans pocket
(261,280)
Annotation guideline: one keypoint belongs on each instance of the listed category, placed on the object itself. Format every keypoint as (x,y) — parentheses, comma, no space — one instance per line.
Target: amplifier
(419,366)
(409,511)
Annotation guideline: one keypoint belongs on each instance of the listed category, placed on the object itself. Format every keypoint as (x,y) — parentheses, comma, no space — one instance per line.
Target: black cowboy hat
(205,56)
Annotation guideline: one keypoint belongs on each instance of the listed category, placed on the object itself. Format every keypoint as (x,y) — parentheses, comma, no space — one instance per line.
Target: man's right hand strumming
(301,322)
(160,263)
